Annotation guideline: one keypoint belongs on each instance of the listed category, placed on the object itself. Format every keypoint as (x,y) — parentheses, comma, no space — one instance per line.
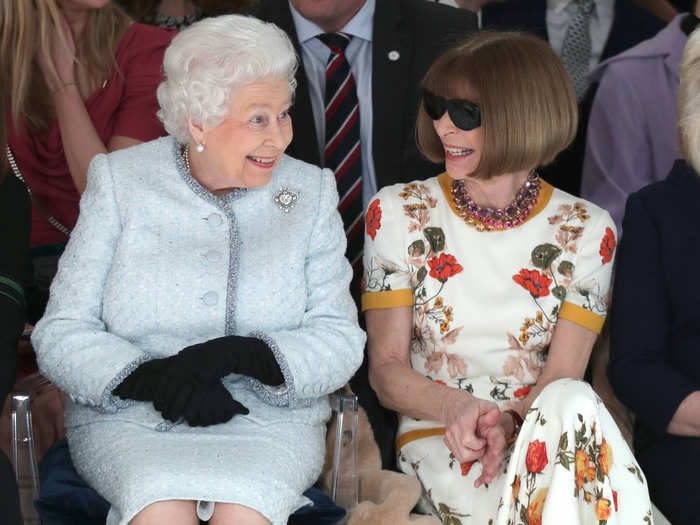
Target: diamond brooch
(286,199)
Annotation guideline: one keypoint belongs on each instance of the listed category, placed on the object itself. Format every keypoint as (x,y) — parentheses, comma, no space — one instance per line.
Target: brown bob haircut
(527,101)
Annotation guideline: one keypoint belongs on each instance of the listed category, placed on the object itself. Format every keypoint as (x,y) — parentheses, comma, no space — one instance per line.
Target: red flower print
(440,382)
(466,467)
(522,393)
(607,245)
(444,267)
(615,499)
(536,458)
(374,218)
(534,282)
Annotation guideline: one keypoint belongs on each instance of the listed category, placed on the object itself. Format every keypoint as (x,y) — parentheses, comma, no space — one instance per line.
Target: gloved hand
(204,362)
(200,405)
(142,383)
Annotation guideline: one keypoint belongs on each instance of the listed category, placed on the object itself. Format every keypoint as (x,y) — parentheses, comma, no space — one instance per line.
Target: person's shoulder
(646,54)
(592,212)
(399,192)
(147,35)
(428,16)
(682,185)
(143,40)
(290,168)
(141,157)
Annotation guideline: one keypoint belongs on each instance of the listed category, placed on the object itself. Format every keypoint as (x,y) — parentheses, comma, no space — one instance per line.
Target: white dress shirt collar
(602,7)
(360,25)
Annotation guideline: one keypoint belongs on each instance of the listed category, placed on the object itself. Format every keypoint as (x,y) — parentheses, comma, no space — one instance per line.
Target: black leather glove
(204,362)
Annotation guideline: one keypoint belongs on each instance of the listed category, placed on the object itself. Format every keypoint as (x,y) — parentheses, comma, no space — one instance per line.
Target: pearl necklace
(497,219)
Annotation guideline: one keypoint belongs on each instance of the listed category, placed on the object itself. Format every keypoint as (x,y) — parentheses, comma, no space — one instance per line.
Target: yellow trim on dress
(412,435)
(390,299)
(546,191)
(581,316)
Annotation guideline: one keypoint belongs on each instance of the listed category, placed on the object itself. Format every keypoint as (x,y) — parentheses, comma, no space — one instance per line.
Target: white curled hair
(689,101)
(207,63)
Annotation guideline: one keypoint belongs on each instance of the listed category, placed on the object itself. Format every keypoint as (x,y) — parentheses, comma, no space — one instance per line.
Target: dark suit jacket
(631,25)
(655,345)
(419,31)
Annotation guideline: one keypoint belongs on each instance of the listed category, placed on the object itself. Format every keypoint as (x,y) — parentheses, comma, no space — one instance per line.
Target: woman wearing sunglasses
(484,291)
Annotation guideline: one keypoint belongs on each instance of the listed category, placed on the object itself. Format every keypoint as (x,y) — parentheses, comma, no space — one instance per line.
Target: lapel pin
(394,55)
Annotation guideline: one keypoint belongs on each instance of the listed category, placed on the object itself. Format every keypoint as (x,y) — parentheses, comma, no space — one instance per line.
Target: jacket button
(213,256)
(210,298)
(215,219)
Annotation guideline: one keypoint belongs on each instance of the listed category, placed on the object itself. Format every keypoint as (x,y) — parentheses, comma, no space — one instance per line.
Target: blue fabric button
(210,298)
(213,256)
(215,219)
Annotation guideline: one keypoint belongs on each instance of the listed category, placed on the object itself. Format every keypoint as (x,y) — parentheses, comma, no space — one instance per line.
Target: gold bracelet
(62,87)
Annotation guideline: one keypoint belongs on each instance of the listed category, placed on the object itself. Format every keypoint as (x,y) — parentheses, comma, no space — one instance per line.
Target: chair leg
(345,479)
(23,455)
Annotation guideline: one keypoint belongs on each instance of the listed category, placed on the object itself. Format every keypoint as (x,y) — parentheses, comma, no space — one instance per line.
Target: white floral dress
(484,308)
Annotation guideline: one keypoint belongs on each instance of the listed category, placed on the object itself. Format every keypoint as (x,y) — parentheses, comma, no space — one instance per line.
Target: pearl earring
(200,148)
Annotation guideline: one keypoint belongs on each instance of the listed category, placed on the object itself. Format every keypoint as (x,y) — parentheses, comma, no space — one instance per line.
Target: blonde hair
(25,29)
(689,101)
(527,102)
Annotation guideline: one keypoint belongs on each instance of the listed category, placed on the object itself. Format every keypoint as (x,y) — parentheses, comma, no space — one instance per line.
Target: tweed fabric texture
(157,263)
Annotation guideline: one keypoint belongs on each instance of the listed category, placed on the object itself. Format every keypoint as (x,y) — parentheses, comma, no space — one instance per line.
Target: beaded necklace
(497,219)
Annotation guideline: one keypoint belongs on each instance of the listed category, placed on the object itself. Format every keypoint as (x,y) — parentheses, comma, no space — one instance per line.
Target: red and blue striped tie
(342,151)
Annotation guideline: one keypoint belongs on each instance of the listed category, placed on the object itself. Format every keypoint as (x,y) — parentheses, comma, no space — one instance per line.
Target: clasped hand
(477,430)
(188,385)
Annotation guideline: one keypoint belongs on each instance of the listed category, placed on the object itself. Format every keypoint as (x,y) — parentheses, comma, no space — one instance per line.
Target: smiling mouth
(459,152)
(262,162)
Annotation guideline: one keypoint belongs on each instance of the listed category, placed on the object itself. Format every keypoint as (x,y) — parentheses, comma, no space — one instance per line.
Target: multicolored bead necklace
(496,219)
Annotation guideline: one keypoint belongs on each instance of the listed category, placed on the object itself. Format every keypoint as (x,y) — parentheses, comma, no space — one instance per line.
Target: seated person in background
(85,86)
(583,33)
(179,14)
(485,289)
(213,285)
(654,361)
(632,139)
(14,246)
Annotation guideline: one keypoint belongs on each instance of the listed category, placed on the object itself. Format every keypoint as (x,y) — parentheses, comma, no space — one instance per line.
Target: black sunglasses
(463,113)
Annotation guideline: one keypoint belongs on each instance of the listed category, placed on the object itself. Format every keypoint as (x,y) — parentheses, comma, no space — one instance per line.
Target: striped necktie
(576,50)
(342,150)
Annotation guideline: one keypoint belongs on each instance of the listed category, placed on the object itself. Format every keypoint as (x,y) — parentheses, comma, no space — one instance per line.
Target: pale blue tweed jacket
(157,263)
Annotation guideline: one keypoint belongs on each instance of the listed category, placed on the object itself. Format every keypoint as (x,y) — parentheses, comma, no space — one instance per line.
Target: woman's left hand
(496,437)
(62,56)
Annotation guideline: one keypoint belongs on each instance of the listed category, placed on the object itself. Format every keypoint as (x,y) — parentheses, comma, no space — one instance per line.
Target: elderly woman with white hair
(201,313)
(654,361)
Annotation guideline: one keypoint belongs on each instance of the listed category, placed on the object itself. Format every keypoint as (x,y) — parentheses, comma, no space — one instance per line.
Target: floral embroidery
(449,515)
(536,506)
(466,467)
(516,487)
(444,267)
(534,282)
(607,245)
(605,457)
(521,393)
(374,218)
(602,509)
(570,217)
(536,458)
